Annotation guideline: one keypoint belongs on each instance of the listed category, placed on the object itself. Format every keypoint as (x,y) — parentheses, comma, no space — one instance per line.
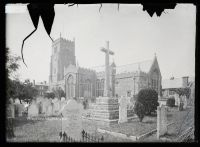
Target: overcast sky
(133,35)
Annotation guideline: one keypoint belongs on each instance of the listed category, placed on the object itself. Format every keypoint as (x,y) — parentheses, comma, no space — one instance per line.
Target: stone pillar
(122,110)
(107,72)
(161,121)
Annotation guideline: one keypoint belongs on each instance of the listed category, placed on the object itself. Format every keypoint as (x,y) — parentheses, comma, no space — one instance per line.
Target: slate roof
(143,66)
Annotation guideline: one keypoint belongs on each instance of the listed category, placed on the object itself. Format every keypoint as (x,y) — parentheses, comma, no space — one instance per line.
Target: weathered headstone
(50,108)
(184,102)
(176,96)
(62,102)
(56,105)
(33,109)
(72,119)
(11,109)
(19,109)
(122,110)
(161,121)
(17,101)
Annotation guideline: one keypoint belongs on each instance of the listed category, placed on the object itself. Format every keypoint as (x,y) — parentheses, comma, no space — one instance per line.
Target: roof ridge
(136,62)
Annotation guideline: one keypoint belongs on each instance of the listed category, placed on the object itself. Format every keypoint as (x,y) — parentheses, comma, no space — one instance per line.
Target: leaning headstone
(33,109)
(122,110)
(72,119)
(161,121)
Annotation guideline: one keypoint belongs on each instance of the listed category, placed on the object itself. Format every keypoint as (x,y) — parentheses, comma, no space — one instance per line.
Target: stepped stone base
(105,111)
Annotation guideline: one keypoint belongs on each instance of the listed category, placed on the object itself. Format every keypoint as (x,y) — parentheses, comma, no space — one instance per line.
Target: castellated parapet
(63,54)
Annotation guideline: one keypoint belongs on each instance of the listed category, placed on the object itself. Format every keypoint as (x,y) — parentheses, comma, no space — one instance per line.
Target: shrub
(171,102)
(139,110)
(149,98)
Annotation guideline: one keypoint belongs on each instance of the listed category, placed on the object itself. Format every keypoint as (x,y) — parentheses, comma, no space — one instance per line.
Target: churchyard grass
(41,130)
(179,118)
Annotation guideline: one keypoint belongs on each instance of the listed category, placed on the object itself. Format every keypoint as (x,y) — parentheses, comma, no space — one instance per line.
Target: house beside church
(125,80)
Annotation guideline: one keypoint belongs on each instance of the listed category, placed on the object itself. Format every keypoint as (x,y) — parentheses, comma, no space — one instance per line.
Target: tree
(12,65)
(49,95)
(139,110)
(59,93)
(149,98)
(28,92)
(183,91)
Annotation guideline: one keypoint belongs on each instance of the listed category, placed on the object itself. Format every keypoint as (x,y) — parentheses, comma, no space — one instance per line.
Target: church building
(125,80)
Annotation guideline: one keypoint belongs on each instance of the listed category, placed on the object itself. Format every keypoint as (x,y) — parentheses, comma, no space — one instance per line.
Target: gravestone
(72,119)
(176,96)
(56,105)
(11,109)
(33,109)
(40,107)
(161,121)
(50,108)
(19,109)
(122,110)
(17,101)
(184,102)
(62,102)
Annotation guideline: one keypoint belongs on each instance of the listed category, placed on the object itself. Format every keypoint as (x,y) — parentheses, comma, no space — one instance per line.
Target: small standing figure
(10,119)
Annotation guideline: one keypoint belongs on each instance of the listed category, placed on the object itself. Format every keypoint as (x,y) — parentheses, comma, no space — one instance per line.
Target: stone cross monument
(107,86)
(105,111)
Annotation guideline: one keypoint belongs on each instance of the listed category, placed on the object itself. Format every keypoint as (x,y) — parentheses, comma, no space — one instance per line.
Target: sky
(133,36)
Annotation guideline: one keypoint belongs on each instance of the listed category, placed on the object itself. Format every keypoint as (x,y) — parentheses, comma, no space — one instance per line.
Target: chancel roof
(143,66)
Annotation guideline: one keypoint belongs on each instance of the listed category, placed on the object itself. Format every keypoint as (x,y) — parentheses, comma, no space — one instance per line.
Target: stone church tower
(63,54)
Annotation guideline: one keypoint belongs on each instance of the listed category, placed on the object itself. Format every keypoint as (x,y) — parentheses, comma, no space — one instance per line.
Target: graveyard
(46,128)
(106,118)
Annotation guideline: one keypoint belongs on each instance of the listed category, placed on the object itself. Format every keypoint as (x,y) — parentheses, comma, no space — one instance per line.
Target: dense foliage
(14,87)
(149,98)
(59,93)
(49,95)
(139,110)
(183,91)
